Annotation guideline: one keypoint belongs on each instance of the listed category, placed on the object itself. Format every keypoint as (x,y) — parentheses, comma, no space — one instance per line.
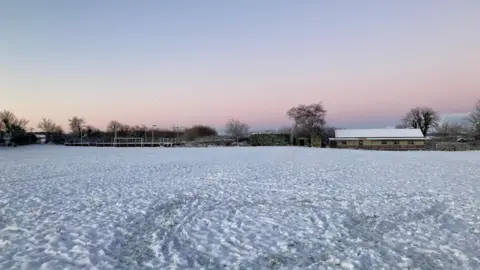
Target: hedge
(269,139)
(23,139)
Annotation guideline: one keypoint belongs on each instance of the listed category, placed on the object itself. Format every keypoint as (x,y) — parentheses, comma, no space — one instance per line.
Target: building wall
(42,139)
(382,144)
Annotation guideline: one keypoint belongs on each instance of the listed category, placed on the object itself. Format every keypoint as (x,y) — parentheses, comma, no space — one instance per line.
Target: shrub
(199,131)
(23,139)
(269,139)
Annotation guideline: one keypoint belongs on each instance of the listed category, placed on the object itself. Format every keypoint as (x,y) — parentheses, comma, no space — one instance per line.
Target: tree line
(428,121)
(308,120)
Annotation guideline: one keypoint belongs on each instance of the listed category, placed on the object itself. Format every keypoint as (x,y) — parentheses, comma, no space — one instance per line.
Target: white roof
(376,139)
(378,133)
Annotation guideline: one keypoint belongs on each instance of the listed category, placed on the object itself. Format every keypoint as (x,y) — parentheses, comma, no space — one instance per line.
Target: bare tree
(121,129)
(76,125)
(236,128)
(138,131)
(8,116)
(423,118)
(11,122)
(199,131)
(474,118)
(449,130)
(92,131)
(309,119)
(48,125)
(329,132)
(114,125)
(58,130)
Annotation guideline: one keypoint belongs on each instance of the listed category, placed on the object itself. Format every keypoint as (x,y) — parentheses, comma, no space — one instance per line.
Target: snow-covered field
(238,208)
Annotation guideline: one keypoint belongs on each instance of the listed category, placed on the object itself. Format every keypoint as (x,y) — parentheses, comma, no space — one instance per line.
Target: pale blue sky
(185,62)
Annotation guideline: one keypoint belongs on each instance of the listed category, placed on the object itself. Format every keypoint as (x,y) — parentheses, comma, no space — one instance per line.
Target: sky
(185,62)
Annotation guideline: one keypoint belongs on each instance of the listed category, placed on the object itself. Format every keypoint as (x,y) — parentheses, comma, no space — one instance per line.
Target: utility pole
(153,126)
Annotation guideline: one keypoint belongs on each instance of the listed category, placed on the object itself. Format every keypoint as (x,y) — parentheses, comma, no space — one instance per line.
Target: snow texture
(379,133)
(238,208)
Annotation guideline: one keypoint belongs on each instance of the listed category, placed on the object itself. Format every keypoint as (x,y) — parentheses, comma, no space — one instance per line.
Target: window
(344,142)
(395,142)
(384,142)
(410,142)
(360,143)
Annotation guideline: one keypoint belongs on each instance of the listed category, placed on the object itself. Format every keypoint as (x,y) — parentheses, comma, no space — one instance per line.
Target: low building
(378,139)
(41,138)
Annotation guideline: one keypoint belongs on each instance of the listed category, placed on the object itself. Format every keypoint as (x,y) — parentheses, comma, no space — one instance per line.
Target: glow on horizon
(165,63)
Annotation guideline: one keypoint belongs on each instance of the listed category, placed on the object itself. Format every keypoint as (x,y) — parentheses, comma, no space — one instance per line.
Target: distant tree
(59,130)
(308,119)
(76,125)
(474,118)
(125,130)
(179,131)
(48,125)
(163,133)
(329,132)
(11,123)
(236,129)
(57,135)
(92,131)
(198,131)
(138,131)
(121,129)
(401,125)
(423,118)
(13,128)
(446,129)
(113,125)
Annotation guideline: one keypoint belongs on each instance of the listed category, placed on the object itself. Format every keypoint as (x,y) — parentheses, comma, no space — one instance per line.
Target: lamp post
(145,132)
(153,126)
(175,128)
(30,136)
(115,135)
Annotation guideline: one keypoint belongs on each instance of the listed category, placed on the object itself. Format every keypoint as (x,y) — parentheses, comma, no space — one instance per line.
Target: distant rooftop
(378,133)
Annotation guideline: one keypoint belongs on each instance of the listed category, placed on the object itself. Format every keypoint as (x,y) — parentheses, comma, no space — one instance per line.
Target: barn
(378,139)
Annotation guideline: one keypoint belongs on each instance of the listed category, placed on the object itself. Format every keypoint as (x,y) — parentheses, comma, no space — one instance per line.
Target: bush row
(269,139)
(455,146)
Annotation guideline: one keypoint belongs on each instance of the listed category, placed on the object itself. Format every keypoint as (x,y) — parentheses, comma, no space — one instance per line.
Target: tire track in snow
(252,222)
(373,229)
(156,238)
(135,244)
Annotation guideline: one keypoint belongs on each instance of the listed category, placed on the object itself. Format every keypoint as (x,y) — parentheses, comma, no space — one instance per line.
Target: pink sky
(368,64)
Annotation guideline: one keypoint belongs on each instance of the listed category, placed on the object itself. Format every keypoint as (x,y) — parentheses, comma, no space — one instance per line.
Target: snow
(379,133)
(238,208)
